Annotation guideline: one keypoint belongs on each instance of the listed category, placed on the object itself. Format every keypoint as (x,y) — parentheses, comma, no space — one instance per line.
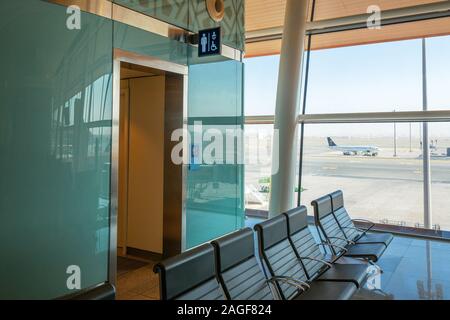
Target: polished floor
(413,269)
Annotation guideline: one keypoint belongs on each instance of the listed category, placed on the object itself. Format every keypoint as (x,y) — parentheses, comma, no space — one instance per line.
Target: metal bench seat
(330,229)
(348,227)
(313,259)
(190,276)
(280,259)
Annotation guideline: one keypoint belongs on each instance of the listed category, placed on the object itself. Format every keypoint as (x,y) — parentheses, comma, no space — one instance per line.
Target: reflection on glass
(214,188)
(55,136)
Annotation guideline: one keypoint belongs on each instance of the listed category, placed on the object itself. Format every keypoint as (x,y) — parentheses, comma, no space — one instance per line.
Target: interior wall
(55,133)
(144,222)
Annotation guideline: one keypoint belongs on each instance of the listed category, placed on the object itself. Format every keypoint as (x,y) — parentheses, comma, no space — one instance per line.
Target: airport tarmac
(376,188)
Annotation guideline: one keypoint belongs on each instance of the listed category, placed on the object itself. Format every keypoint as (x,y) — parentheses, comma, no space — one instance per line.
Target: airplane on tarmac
(370,151)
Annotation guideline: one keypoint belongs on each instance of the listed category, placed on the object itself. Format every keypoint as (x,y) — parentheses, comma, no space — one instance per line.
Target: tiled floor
(136,281)
(413,269)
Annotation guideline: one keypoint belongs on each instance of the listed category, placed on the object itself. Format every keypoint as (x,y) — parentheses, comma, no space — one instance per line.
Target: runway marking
(329,168)
(418,172)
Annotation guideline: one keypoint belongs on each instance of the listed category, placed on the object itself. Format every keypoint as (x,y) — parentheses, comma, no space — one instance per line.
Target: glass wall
(55,142)
(261,80)
(383,77)
(215,175)
(439,134)
(258,160)
(55,139)
(438,72)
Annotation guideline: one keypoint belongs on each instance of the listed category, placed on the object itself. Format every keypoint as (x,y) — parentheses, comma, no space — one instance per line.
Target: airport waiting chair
(348,227)
(190,276)
(239,271)
(328,227)
(279,257)
(313,259)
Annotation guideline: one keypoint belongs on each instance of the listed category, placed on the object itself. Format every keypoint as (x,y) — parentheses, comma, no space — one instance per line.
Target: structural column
(426,147)
(287,108)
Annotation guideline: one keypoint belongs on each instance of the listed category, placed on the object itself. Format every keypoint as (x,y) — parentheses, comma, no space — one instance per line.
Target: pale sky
(366,78)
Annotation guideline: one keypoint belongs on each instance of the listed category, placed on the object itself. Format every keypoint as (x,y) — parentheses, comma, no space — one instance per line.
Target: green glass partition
(215,188)
(149,44)
(56,89)
(55,142)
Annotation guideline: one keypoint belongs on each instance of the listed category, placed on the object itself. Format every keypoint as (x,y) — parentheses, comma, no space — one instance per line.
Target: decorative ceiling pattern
(269,14)
(192,15)
(171,11)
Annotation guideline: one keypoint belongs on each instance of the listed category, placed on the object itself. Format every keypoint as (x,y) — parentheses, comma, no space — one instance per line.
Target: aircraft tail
(331,142)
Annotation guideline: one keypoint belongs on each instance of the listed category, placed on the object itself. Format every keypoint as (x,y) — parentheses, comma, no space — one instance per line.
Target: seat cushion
(323,290)
(384,238)
(371,251)
(356,273)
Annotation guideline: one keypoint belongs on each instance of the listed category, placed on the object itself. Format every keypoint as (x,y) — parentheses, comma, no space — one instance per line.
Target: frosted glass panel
(215,190)
(55,142)
(145,43)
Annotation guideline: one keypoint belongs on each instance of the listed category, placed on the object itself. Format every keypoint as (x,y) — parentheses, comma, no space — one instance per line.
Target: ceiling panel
(266,14)
(330,9)
(403,31)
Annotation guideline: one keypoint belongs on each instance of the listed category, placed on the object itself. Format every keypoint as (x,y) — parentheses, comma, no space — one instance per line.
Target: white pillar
(425,147)
(287,107)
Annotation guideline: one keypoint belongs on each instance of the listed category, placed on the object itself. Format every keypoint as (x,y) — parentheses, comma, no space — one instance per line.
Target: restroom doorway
(147,185)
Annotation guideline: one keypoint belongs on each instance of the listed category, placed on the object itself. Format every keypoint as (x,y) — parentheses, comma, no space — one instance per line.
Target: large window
(378,165)
(258,168)
(369,78)
(440,174)
(261,76)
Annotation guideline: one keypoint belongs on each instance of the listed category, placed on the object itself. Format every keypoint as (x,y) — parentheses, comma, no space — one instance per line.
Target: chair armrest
(273,289)
(339,238)
(318,260)
(295,282)
(324,243)
(372,224)
(355,228)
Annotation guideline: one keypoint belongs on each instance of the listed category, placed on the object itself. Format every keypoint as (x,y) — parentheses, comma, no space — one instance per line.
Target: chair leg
(375,265)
